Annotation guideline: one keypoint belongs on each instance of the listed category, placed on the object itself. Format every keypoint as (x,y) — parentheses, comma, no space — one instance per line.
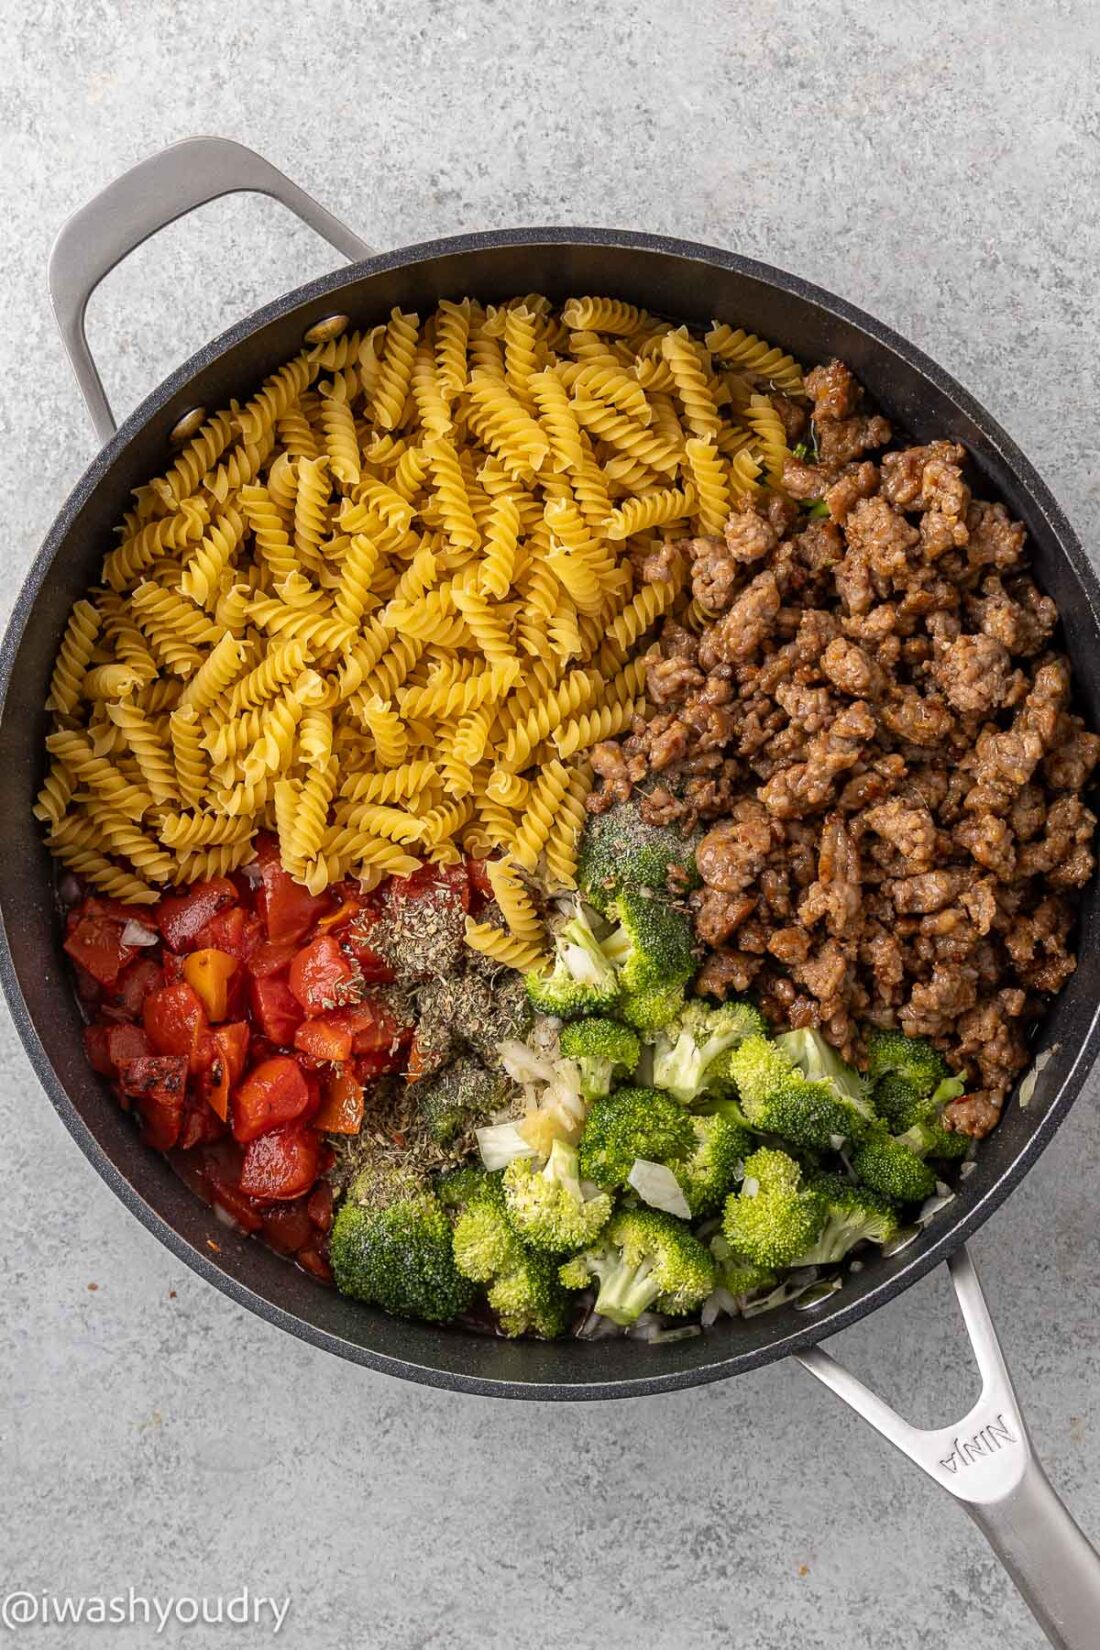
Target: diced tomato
(288,1229)
(95,1046)
(357,938)
(319,1206)
(159,1084)
(320,974)
(127,1042)
(96,944)
(376,1027)
(134,984)
(98,905)
(208,973)
(335,921)
(328,1037)
(182,917)
(342,1109)
(175,1021)
(277,1010)
(227,1066)
(234,930)
(289,910)
(422,1059)
(270,959)
(273,1092)
(282,1163)
(311,1260)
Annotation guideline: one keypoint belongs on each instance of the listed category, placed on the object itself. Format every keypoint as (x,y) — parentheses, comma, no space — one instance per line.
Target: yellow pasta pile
(386,606)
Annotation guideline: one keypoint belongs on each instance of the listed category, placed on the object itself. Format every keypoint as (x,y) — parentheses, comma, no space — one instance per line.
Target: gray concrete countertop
(936,164)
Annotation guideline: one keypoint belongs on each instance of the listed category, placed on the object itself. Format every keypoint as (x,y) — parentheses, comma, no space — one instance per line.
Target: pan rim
(834,1317)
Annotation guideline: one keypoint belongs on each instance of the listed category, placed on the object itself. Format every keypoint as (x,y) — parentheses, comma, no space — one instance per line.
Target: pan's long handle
(986,1461)
(150,196)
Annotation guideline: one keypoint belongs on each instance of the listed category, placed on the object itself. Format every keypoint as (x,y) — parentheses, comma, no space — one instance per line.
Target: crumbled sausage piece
(732,855)
(927,891)
(806,786)
(834,391)
(852,670)
(748,622)
(726,970)
(995,540)
(918,718)
(909,827)
(749,535)
(717,915)
(610,763)
(855,481)
(1068,767)
(971,673)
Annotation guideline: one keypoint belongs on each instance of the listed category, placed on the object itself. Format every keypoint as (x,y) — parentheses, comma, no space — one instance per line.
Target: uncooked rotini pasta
(385,605)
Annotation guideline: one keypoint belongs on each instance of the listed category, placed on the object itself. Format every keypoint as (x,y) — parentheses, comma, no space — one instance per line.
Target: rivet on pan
(188,425)
(321,332)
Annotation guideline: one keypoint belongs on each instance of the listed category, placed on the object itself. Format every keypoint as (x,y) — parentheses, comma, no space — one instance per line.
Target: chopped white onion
(718,1301)
(581,965)
(252,873)
(967,1169)
(523,1064)
(500,1144)
(750,1186)
(1027,1087)
(658,1186)
(136,933)
(931,1207)
(836,1141)
(655,1335)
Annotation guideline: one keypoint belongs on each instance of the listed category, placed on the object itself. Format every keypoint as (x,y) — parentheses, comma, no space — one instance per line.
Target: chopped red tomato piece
(222,1165)
(182,917)
(479,881)
(127,1042)
(200,1122)
(289,910)
(227,1066)
(234,930)
(378,1063)
(159,1085)
(335,921)
(175,1022)
(320,975)
(208,972)
(135,982)
(273,1092)
(311,1260)
(96,944)
(277,1010)
(376,1026)
(95,1047)
(342,1109)
(282,1163)
(328,1037)
(270,959)
(431,878)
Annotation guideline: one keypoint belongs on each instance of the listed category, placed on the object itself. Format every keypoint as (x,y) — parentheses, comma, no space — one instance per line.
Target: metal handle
(986,1462)
(150,196)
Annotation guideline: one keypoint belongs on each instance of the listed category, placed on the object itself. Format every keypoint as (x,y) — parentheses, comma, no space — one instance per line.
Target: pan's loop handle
(986,1461)
(150,196)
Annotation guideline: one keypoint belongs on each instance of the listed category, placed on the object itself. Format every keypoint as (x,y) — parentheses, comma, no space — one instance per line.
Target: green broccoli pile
(705,1163)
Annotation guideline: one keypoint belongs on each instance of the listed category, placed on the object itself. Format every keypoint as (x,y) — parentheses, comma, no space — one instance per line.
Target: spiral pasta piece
(649,510)
(563,843)
(192,767)
(56,793)
(129,560)
(538,817)
(772,437)
(73,656)
(708,474)
(582,732)
(488,624)
(611,384)
(451,494)
(183,832)
(604,315)
(395,785)
(311,507)
(745,351)
(514,898)
(692,387)
(505,424)
(387,729)
(218,671)
(278,393)
(150,751)
(195,460)
(636,441)
(341,441)
(500,549)
(208,560)
(387,399)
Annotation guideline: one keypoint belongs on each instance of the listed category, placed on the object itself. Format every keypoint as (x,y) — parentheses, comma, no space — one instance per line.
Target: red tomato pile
(250,1030)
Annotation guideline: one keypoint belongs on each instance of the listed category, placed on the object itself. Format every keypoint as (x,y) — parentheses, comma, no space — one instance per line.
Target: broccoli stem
(626,1292)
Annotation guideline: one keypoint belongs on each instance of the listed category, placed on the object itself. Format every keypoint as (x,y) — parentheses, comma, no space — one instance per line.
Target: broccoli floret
(775,1217)
(582,981)
(650,1011)
(399,1256)
(648,1259)
(604,1050)
(709,1170)
(461,1094)
(549,1208)
(686,1051)
(736,1273)
(524,1290)
(889,1167)
(854,1214)
(777,1099)
(632,1123)
(913,1058)
(458,1188)
(818,1061)
(898,1103)
(931,1139)
(651,946)
(619,851)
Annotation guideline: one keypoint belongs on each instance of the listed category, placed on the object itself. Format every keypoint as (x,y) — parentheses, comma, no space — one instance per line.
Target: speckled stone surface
(937,164)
